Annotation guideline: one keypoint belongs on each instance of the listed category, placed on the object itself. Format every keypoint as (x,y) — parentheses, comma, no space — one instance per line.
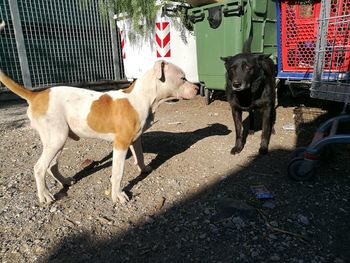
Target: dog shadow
(92,168)
(169,144)
(165,144)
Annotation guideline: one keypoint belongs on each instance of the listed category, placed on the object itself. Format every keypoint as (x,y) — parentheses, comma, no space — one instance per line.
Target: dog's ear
(159,70)
(226,59)
(247,45)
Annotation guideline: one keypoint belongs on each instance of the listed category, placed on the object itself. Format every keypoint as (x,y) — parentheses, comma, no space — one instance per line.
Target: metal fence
(331,75)
(57,41)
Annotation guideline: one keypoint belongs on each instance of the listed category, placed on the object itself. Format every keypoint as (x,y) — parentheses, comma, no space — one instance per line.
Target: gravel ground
(196,206)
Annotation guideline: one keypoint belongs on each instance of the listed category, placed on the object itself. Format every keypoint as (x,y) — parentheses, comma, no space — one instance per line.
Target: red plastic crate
(299,26)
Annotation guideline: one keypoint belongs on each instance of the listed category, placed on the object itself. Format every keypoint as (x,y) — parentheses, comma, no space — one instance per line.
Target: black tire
(207,96)
(296,174)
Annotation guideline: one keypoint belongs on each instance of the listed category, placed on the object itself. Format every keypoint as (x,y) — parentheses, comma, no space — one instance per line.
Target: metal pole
(321,43)
(116,59)
(20,43)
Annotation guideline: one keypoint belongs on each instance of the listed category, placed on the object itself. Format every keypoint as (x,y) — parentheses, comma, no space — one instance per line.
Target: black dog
(250,86)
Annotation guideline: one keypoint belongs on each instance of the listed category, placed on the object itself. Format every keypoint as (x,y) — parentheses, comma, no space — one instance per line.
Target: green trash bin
(221,30)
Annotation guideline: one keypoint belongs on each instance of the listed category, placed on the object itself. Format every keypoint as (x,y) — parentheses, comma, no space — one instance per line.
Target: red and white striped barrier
(163,39)
(167,42)
(122,42)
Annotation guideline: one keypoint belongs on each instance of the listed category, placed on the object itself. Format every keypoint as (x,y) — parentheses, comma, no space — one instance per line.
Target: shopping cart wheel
(298,171)
(207,96)
(298,152)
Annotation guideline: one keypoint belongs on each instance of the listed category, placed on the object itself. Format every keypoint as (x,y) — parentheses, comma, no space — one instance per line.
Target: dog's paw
(251,132)
(263,150)
(121,197)
(236,150)
(46,198)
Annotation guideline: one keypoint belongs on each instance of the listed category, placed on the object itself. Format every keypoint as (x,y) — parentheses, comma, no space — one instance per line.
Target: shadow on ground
(13,114)
(304,222)
(165,144)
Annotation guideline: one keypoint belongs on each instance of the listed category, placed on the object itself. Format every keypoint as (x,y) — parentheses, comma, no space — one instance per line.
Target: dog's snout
(236,84)
(188,91)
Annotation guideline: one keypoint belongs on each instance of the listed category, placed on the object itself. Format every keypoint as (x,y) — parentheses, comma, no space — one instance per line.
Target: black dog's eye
(183,78)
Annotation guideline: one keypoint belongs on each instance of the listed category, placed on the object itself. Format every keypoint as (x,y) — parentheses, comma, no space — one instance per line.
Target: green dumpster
(221,30)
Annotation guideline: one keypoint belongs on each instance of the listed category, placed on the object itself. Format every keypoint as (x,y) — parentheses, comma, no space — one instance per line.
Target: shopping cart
(330,81)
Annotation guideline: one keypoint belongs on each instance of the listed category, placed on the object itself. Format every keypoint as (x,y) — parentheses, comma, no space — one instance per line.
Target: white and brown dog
(118,116)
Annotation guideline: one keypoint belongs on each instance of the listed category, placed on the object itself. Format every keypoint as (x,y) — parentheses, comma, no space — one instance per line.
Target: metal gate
(57,41)
(331,75)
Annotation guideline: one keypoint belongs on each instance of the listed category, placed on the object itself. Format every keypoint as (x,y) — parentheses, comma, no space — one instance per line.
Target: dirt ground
(195,206)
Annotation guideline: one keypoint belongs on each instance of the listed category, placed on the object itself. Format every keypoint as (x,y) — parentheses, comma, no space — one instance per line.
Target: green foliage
(184,21)
(142,14)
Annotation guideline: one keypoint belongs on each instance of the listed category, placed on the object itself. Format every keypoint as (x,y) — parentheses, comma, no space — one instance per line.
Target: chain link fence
(46,43)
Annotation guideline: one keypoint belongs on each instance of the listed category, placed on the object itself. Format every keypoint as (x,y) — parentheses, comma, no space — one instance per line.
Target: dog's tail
(11,84)
(247,45)
(15,87)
